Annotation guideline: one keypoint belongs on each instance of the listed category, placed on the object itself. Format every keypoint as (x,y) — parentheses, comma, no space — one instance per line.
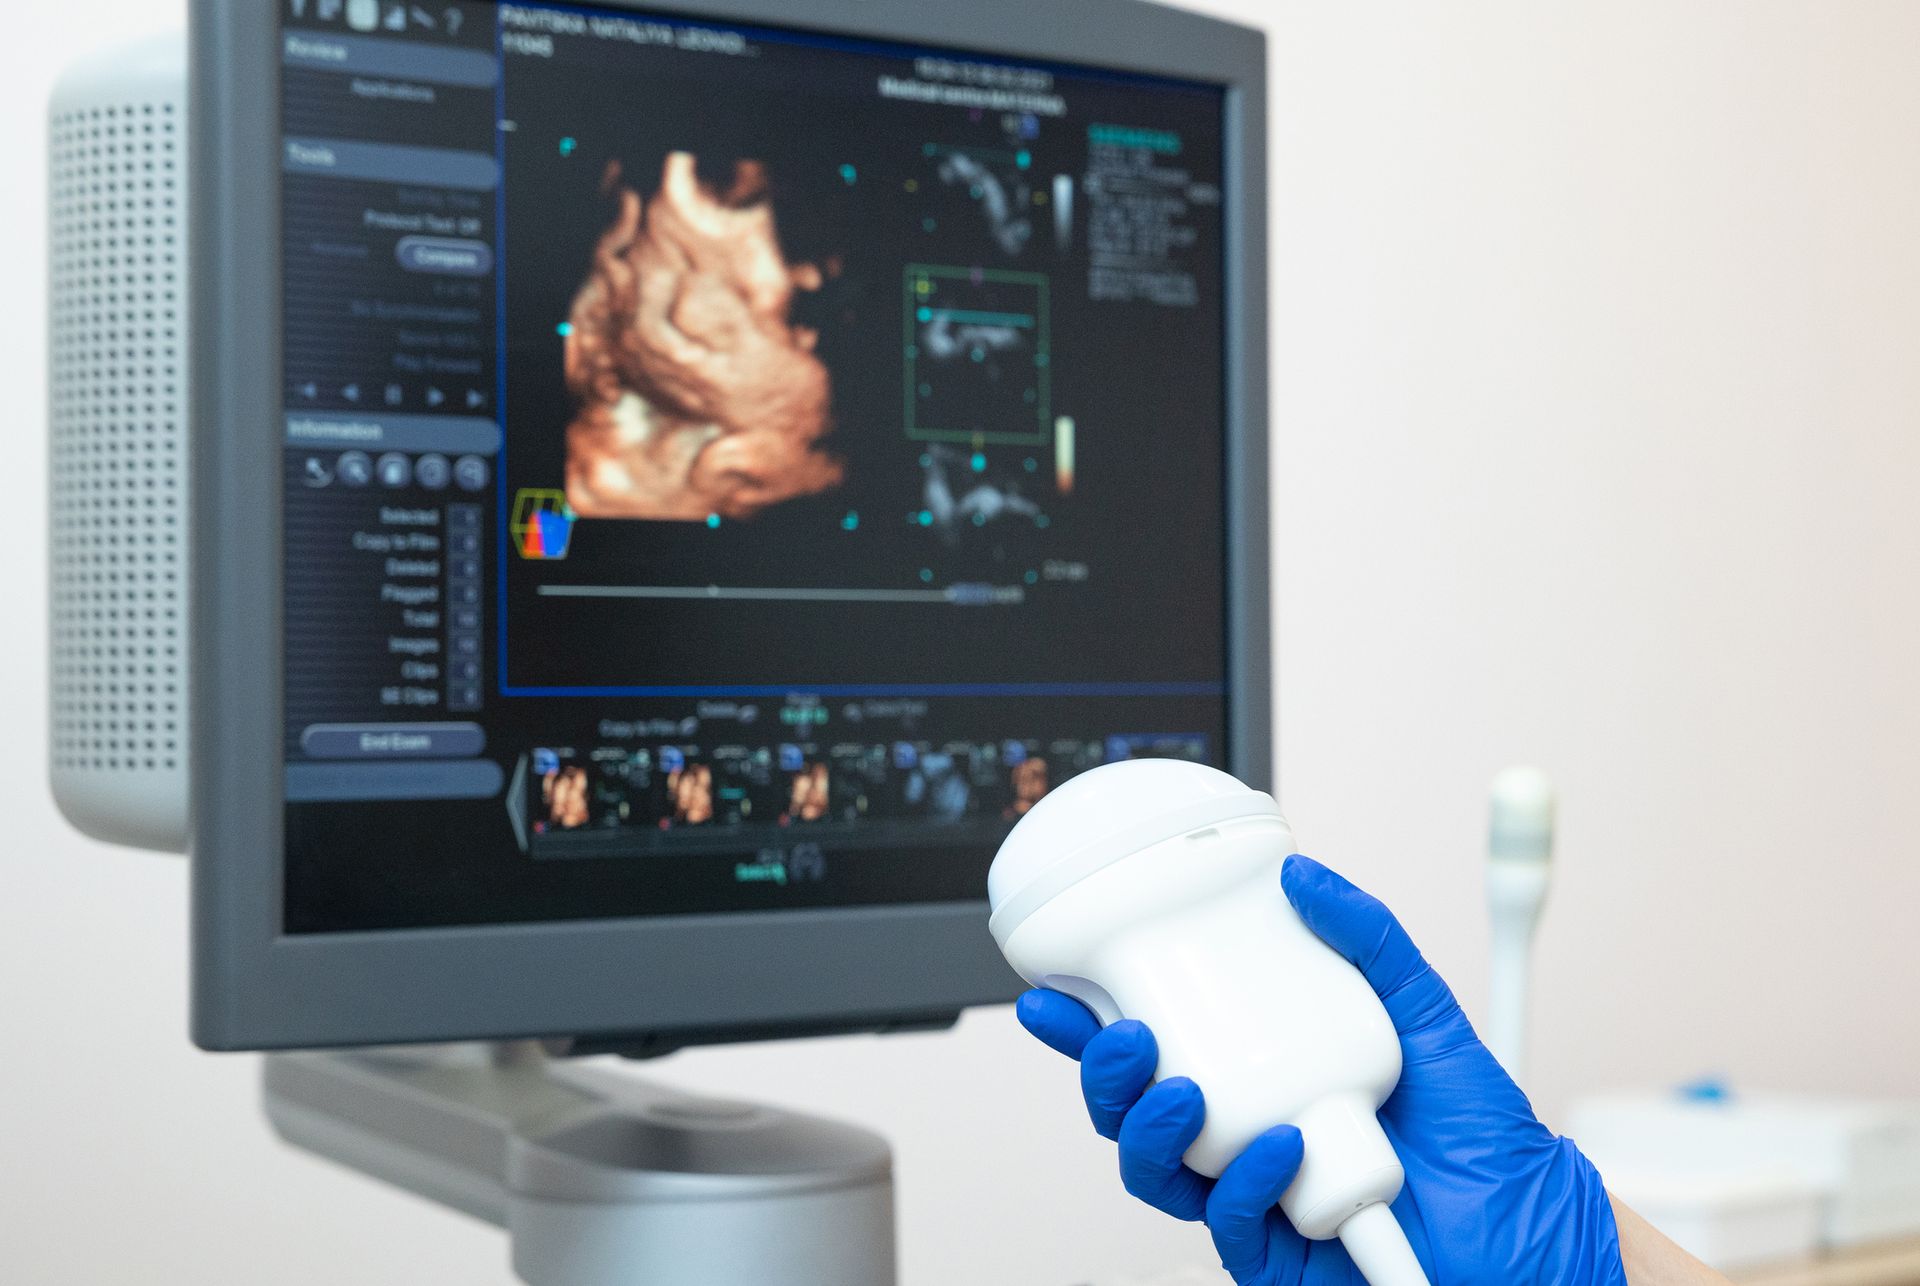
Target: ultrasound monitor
(673,484)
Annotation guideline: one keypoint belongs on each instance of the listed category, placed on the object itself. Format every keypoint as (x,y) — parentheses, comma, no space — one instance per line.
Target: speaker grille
(118,415)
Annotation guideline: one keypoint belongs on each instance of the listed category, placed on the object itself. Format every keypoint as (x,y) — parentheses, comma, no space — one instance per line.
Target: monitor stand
(600,1179)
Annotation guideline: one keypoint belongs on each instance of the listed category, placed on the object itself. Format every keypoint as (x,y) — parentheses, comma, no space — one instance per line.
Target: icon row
(356,470)
(396,396)
(381,15)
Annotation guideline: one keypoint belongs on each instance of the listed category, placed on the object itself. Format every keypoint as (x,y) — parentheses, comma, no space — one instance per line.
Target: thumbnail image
(810,797)
(1031,781)
(564,794)
(938,788)
(698,394)
(691,791)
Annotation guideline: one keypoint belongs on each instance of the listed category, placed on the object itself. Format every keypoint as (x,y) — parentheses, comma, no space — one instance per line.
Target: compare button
(394,740)
(445,256)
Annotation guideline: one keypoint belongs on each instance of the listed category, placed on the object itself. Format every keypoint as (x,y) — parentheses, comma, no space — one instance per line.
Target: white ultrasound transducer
(1150,890)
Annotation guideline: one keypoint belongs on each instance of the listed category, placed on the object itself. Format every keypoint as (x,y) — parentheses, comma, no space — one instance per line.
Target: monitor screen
(729,470)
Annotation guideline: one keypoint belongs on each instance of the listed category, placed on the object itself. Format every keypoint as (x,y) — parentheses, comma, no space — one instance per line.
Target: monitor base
(599,1178)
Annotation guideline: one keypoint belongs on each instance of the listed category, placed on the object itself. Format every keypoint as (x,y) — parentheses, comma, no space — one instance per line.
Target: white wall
(1598,368)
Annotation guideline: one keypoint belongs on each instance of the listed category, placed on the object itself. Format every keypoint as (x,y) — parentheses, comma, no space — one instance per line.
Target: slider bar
(721,593)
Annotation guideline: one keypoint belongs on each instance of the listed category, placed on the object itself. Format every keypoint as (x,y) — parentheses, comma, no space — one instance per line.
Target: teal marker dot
(926,461)
(979,463)
(1026,160)
(931,225)
(926,518)
(926,314)
(926,576)
(977,192)
(1033,578)
(1043,522)
(850,173)
(979,354)
(713,521)
(932,149)
(568,146)
(926,390)
(565,329)
(851,522)
(1033,466)
(979,520)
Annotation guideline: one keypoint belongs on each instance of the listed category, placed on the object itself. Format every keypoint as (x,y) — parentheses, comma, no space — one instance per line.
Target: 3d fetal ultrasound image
(698,392)
(765,298)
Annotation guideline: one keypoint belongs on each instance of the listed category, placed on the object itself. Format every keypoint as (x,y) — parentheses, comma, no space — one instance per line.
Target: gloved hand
(1492,1196)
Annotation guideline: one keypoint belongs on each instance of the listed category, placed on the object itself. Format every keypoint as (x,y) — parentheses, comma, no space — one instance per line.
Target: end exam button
(374,741)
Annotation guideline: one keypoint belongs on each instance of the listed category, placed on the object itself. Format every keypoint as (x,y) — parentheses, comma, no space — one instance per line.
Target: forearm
(1653,1260)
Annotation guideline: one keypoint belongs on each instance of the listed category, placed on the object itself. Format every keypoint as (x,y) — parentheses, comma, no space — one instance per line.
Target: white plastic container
(1151,890)
(1860,1156)
(1731,1221)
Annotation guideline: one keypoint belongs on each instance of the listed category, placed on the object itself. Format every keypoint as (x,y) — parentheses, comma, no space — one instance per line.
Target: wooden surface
(1892,1266)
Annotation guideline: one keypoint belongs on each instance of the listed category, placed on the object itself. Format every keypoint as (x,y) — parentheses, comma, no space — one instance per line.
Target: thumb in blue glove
(1492,1196)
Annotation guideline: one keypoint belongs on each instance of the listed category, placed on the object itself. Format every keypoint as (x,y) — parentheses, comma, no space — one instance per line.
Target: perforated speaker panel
(117,402)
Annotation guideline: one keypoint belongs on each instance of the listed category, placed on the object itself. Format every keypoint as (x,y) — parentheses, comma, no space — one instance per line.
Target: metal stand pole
(600,1179)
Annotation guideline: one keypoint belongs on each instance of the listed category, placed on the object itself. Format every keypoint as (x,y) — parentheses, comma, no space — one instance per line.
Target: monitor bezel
(255,987)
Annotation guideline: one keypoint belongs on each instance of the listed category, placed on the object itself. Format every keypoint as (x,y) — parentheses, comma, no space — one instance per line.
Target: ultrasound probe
(1151,890)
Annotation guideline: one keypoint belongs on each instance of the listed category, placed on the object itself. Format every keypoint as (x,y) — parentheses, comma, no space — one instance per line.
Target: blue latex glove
(1492,1195)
